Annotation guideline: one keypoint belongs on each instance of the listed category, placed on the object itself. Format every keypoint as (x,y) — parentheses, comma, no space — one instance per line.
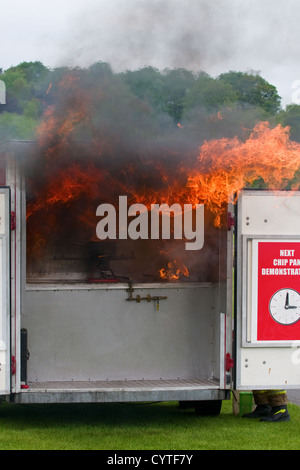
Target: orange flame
(213,177)
(175,270)
(225,166)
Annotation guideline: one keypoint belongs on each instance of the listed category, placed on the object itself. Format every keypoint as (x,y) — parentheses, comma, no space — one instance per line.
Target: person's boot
(277,415)
(258,412)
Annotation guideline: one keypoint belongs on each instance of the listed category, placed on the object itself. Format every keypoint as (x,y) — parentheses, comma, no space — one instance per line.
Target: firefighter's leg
(278,401)
(262,407)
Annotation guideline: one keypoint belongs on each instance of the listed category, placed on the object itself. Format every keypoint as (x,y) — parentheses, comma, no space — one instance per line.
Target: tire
(208,407)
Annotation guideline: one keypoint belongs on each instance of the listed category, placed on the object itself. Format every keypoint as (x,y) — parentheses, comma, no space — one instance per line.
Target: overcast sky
(210,35)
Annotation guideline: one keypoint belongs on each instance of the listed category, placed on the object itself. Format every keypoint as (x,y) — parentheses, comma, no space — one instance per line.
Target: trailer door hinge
(229,362)
(13,220)
(230,221)
(13,365)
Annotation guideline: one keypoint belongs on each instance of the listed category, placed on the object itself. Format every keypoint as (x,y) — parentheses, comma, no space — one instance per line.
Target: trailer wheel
(208,407)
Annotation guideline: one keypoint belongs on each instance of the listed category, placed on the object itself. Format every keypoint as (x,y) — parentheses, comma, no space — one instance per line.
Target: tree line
(206,106)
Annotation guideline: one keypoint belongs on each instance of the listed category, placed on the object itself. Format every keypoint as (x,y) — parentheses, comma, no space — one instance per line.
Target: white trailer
(66,339)
(268,285)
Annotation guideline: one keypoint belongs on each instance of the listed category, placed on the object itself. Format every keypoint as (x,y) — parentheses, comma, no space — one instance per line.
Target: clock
(284,306)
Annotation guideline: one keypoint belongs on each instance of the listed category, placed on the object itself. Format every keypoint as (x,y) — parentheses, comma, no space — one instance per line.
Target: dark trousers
(270,397)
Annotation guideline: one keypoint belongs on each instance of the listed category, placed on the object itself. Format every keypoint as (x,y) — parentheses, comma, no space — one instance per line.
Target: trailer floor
(124,384)
(121,391)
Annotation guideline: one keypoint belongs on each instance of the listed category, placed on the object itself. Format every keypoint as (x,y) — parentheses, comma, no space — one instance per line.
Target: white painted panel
(271,214)
(3,367)
(270,367)
(263,216)
(97,334)
(4,293)
(2,214)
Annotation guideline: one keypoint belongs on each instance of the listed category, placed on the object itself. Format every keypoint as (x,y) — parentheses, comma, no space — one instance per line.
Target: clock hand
(286,305)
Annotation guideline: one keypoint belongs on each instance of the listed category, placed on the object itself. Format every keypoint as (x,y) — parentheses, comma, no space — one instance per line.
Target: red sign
(278,291)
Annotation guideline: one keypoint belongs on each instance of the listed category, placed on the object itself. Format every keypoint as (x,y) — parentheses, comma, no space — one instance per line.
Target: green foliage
(253,90)
(176,86)
(291,117)
(165,92)
(25,83)
(146,84)
(180,93)
(145,97)
(210,94)
(15,126)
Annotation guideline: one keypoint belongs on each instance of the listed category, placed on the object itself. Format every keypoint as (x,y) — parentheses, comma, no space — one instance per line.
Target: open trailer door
(5,361)
(268,290)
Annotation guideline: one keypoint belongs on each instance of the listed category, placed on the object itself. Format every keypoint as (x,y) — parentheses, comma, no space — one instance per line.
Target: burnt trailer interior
(112,320)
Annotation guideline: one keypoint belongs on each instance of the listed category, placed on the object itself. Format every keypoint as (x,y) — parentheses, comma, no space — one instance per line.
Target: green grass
(157,426)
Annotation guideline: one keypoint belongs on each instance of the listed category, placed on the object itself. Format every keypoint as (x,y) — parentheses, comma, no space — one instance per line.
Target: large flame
(225,166)
(213,176)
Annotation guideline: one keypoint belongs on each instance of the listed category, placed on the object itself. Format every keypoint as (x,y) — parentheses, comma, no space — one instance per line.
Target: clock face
(284,306)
